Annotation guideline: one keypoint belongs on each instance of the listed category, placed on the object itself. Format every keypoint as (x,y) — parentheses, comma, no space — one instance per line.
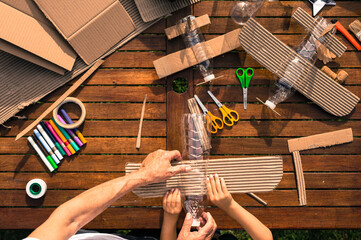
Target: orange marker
(71,149)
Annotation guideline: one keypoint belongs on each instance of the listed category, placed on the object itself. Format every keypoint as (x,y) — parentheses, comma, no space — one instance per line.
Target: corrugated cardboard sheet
(91,27)
(26,34)
(23,83)
(152,9)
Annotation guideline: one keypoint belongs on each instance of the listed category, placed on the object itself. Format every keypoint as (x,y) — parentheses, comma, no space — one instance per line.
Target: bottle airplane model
(319,4)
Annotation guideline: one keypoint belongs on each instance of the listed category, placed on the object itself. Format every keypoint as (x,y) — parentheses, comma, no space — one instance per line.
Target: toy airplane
(319,4)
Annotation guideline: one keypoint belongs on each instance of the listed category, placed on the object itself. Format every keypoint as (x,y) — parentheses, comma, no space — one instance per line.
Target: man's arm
(69,217)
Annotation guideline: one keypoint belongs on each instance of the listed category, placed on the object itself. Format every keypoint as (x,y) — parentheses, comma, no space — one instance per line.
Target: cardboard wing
(186,58)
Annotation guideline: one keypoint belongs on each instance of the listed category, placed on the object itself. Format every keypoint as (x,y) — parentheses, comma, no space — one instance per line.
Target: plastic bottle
(192,37)
(283,88)
(241,11)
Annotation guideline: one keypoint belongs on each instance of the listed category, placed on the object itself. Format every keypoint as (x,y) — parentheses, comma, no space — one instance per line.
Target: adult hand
(218,192)
(203,233)
(156,166)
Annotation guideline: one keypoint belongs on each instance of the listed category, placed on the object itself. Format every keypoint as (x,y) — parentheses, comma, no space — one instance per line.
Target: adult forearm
(250,223)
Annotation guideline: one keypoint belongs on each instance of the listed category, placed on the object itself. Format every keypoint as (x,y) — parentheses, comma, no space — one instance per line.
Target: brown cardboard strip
(33,40)
(179,29)
(242,175)
(300,179)
(185,58)
(285,63)
(328,40)
(153,9)
(321,140)
(23,83)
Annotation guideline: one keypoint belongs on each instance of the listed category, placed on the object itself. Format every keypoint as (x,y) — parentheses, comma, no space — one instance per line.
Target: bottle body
(193,38)
(241,11)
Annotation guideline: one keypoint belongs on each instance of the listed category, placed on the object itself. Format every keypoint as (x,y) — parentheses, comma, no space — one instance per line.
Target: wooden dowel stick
(141,123)
(258,198)
(300,178)
(61,98)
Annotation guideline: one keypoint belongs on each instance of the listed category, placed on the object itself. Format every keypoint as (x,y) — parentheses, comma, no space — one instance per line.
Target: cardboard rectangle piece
(91,27)
(179,29)
(153,9)
(26,34)
(321,140)
(186,58)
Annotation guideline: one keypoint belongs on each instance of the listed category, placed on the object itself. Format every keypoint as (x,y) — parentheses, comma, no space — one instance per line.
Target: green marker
(50,160)
(68,138)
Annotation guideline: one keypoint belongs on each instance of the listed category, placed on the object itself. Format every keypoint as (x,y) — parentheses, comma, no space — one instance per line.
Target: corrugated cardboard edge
(179,29)
(321,140)
(153,9)
(41,35)
(28,56)
(185,58)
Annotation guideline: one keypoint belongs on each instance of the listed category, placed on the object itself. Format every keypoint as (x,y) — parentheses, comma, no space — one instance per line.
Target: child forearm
(250,223)
(169,227)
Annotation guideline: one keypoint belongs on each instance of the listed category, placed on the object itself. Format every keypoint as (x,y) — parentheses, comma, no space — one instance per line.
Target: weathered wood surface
(113,98)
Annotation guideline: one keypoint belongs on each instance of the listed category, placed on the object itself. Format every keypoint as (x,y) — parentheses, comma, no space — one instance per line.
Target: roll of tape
(36,188)
(77,123)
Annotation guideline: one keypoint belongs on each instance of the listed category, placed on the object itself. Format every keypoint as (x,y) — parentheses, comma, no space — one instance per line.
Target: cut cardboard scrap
(242,175)
(91,27)
(186,58)
(137,145)
(311,142)
(152,9)
(61,98)
(311,82)
(179,29)
(17,93)
(25,36)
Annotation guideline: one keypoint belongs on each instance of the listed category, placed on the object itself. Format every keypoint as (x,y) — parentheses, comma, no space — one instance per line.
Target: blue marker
(46,146)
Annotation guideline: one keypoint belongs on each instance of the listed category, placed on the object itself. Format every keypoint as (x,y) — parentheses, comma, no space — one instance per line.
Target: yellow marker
(71,149)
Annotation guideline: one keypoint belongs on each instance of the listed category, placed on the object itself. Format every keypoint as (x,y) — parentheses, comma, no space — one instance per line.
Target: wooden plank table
(113,97)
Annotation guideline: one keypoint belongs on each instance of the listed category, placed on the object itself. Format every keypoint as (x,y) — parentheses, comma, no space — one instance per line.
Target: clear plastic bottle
(283,89)
(192,37)
(241,11)
(194,187)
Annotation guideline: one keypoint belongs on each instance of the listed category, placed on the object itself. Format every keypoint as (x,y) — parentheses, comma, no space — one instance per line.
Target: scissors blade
(204,109)
(218,103)
(245,93)
(317,6)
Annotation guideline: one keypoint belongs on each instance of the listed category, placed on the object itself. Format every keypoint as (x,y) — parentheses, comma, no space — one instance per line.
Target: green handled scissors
(245,79)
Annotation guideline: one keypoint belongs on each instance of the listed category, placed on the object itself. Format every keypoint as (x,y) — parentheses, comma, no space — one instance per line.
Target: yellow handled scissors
(229,116)
(217,123)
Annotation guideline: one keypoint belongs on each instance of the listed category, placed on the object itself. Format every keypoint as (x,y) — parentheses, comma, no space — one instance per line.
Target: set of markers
(52,142)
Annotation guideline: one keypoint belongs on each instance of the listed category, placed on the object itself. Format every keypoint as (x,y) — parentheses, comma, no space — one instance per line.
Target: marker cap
(51,161)
(61,150)
(73,144)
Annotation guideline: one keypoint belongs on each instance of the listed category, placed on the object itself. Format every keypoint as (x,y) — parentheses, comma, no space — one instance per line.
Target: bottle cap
(270,104)
(196,223)
(209,77)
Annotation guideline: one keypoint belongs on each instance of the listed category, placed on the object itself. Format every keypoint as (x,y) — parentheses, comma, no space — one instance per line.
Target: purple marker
(71,133)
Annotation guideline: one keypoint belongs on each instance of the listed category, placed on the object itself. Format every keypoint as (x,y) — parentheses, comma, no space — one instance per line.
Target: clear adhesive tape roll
(77,123)
(36,188)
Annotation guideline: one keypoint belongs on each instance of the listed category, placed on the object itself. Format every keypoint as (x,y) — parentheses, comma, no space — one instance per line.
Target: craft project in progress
(285,63)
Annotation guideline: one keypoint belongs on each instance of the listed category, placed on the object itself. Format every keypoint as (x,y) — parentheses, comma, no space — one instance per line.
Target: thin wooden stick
(300,178)
(141,123)
(61,98)
(257,198)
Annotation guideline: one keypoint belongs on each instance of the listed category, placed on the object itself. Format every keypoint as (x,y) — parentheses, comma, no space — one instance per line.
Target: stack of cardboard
(44,43)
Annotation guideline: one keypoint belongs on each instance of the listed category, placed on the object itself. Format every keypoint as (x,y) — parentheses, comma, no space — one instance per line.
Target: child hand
(172,204)
(218,193)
